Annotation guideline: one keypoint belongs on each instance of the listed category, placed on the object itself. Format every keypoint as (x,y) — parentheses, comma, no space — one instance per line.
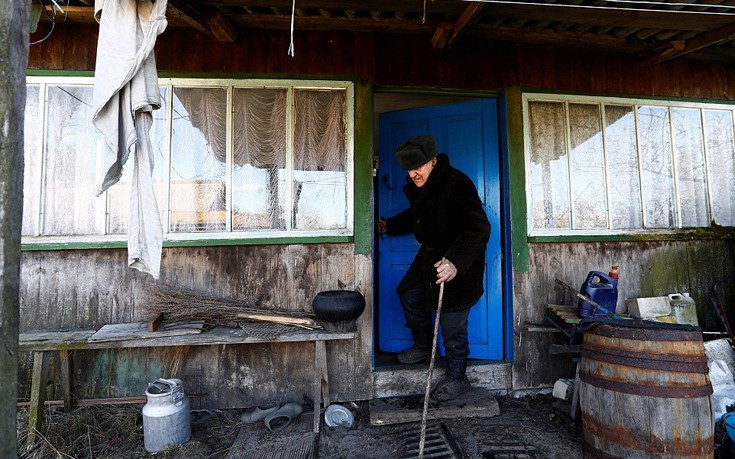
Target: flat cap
(416,151)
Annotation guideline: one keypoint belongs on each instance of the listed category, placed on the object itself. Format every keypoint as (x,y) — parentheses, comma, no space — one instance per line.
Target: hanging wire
(293,13)
(49,7)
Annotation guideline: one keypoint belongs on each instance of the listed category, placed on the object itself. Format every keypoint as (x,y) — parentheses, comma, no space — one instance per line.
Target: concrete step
(404,380)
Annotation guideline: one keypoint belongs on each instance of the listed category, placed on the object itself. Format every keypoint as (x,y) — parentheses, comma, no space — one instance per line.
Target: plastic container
(166,415)
(614,274)
(683,308)
(338,416)
(728,419)
(649,307)
(603,290)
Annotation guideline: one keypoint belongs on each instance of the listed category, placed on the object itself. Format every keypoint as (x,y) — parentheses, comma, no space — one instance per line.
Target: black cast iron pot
(339,309)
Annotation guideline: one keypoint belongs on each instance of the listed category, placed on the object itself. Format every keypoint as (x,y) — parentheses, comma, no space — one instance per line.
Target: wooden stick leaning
(422,440)
(279,319)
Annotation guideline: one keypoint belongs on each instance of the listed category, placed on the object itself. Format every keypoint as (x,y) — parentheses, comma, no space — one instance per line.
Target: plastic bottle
(614,274)
(603,290)
(683,308)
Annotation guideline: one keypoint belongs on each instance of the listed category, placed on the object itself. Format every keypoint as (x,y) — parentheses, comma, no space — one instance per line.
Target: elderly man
(447,219)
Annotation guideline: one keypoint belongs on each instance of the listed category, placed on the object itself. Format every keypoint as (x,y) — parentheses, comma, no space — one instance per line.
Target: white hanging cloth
(125,94)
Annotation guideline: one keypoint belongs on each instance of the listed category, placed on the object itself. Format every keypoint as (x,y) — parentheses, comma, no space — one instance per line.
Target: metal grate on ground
(290,446)
(438,443)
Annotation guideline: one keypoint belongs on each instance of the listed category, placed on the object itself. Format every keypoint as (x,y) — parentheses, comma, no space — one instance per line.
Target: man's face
(421,174)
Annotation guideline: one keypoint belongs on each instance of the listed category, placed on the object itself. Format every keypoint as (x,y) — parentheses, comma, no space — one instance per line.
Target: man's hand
(445,271)
(382,226)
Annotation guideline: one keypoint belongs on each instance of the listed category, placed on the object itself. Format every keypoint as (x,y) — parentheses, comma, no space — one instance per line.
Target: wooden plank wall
(410,61)
(646,269)
(110,291)
(405,61)
(87,288)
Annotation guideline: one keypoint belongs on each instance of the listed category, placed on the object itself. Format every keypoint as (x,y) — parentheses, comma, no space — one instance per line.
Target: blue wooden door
(468,133)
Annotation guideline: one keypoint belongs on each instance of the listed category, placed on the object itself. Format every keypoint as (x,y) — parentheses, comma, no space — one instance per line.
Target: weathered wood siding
(405,60)
(646,269)
(87,288)
(91,287)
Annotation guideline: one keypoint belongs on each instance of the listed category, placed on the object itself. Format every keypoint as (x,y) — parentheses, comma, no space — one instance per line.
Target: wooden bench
(44,342)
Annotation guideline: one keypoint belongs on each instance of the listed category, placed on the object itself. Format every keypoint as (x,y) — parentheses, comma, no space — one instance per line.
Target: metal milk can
(166,419)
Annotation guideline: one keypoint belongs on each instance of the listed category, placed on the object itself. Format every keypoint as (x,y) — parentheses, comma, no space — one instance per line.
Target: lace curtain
(260,126)
(260,121)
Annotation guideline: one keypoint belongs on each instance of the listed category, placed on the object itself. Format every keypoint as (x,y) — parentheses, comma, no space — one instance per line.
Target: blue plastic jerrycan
(603,290)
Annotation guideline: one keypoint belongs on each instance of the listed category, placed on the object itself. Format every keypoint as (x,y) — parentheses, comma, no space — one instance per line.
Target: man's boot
(421,349)
(454,383)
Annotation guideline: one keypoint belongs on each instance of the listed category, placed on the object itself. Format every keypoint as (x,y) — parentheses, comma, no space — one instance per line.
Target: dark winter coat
(447,218)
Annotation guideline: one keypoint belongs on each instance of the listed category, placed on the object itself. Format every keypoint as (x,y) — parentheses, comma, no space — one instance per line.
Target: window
(608,166)
(234,159)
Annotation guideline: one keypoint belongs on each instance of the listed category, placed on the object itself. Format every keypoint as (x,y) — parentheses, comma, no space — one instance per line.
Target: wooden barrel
(645,391)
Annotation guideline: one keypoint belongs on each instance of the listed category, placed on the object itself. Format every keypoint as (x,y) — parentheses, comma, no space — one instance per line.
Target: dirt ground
(527,427)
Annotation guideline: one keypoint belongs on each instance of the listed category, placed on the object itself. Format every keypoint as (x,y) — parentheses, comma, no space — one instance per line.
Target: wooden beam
(221,27)
(186,12)
(75,14)
(589,15)
(468,15)
(174,16)
(67,380)
(441,35)
(155,323)
(445,36)
(135,399)
(38,396)
(681,47)
(662,52)
(357,21)
(320,23)
(554,12)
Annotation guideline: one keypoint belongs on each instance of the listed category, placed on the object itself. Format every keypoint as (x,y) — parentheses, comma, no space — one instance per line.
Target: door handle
(386,182)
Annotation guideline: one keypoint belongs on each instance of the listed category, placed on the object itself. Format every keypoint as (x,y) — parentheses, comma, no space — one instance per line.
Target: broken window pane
(228,158)
(259,158)
(198,160)
(319,178)
(718,125)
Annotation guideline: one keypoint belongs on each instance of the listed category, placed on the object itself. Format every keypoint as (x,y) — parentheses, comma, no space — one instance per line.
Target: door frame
(506,283)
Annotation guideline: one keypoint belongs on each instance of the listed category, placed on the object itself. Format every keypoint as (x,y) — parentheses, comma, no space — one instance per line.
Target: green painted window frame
(522,135)
(260,237)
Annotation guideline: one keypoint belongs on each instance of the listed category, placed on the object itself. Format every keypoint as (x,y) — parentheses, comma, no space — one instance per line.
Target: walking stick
(422,440)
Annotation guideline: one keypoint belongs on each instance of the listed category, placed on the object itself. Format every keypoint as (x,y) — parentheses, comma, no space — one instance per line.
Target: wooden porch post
(13,63)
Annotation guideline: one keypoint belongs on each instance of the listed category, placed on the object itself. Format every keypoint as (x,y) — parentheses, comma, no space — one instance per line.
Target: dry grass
(115,432)
(101,431)
(179,304)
